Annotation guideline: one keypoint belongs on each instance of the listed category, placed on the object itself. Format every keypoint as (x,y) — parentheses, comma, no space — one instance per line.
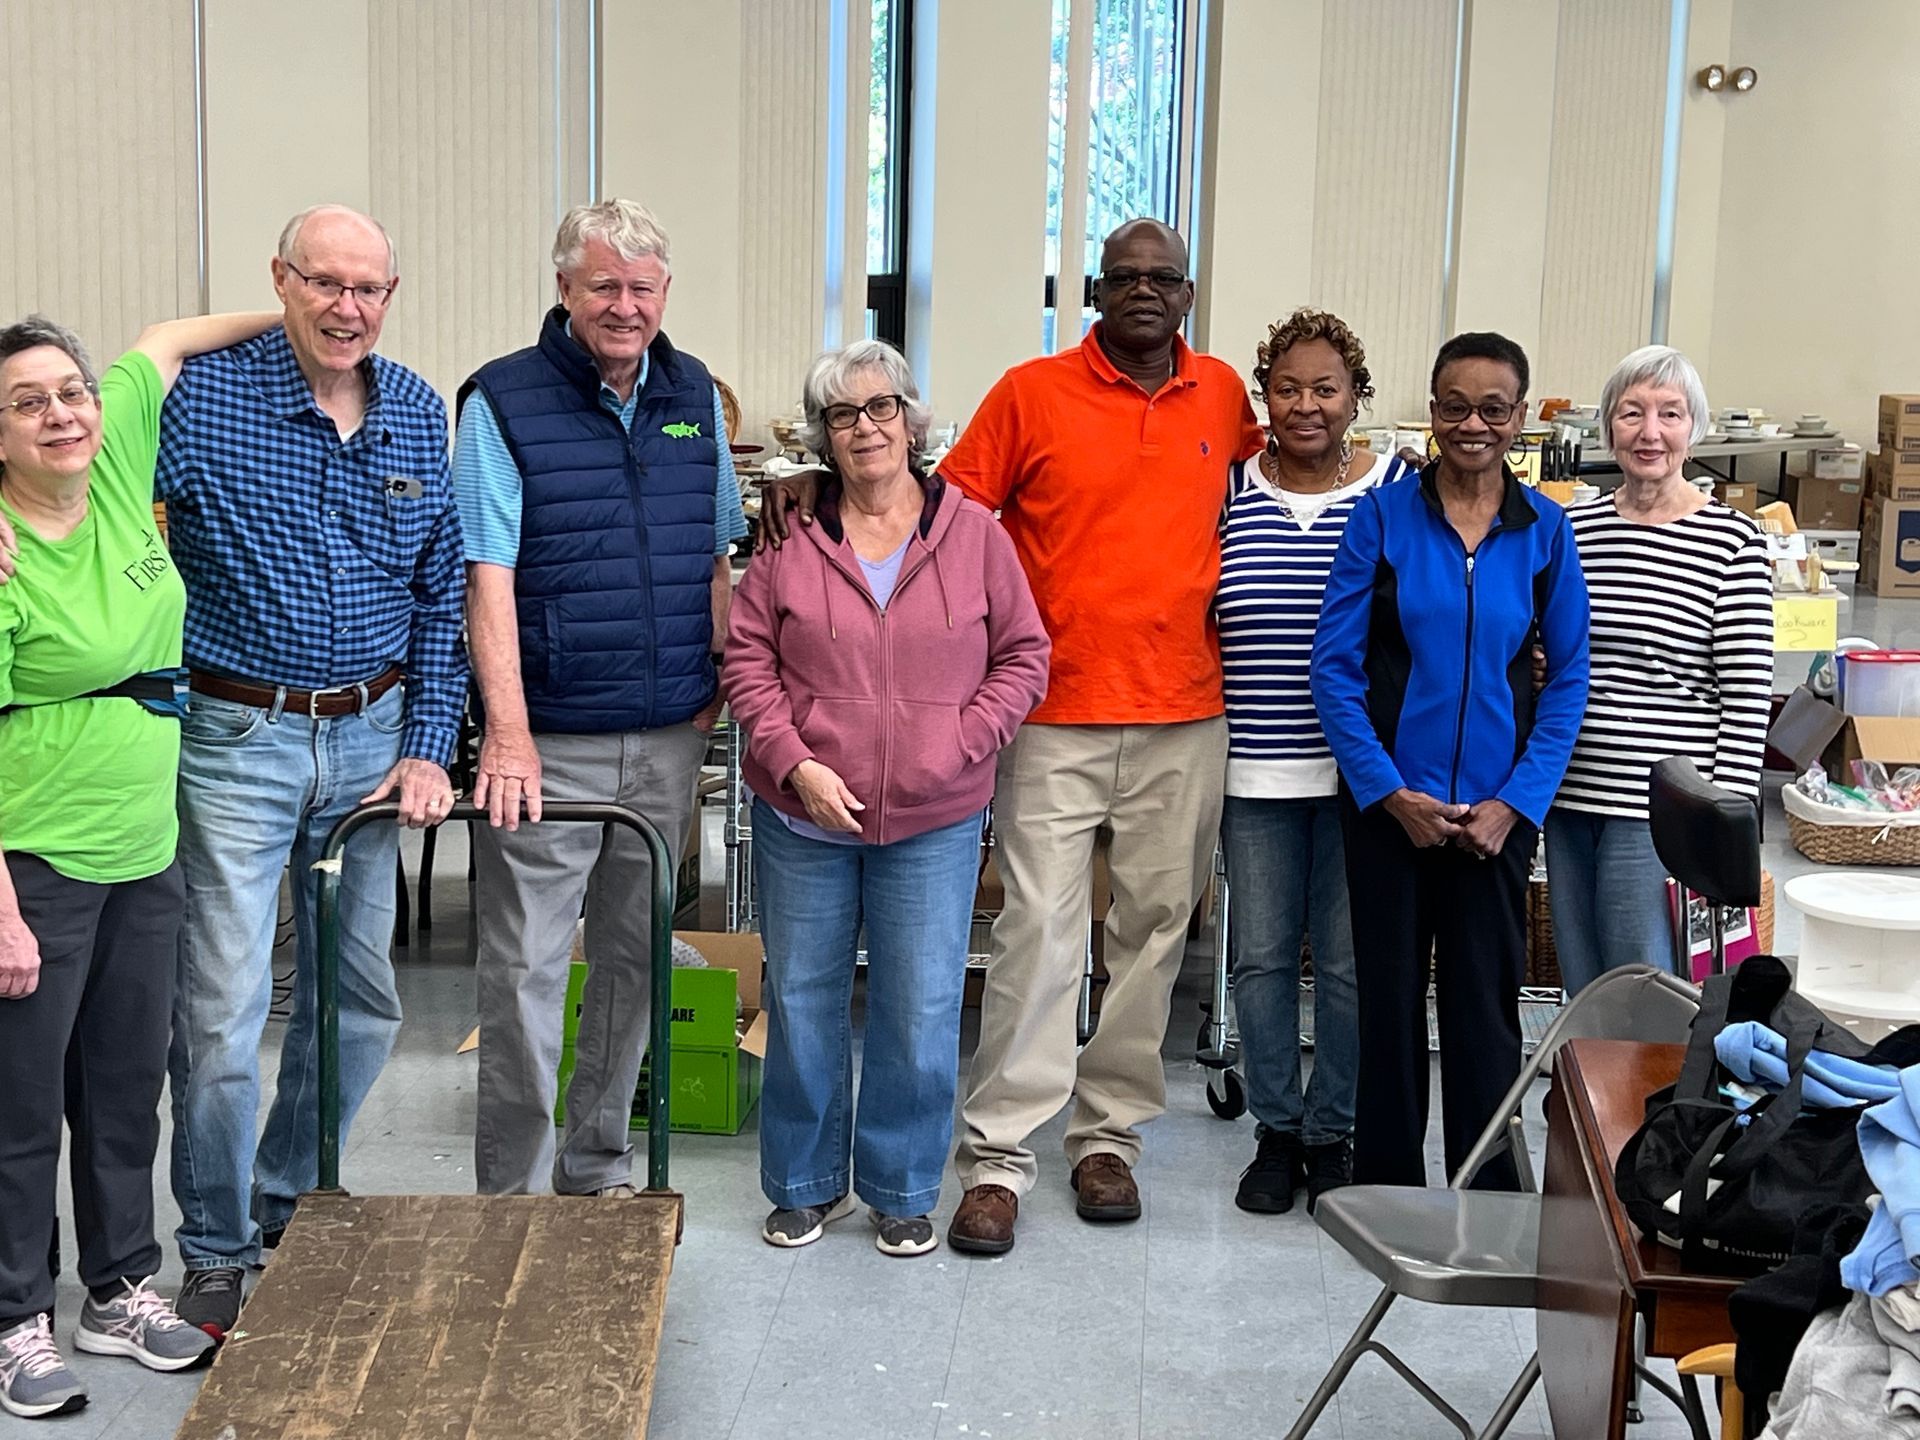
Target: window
(890,79)
(1139,118)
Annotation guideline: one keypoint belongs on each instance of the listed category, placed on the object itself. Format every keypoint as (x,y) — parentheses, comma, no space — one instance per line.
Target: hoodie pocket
(844,736)
(927,753)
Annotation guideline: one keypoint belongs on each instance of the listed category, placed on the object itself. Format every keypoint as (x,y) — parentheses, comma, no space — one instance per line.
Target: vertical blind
(1603,191)
(100,227)
(1380,192)
(479,134)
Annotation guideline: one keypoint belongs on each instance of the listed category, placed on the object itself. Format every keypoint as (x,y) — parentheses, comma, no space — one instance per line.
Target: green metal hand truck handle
(327,971)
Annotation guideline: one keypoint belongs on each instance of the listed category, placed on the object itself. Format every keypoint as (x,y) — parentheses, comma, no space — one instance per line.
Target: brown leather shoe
(1106,1189)
(983,1225)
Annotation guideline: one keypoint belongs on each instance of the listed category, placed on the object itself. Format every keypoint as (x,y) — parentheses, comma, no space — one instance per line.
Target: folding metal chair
(1480,1247)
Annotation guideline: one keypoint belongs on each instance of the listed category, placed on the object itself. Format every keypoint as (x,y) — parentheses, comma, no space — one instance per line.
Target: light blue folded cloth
(1757,1054)
(1890,1144)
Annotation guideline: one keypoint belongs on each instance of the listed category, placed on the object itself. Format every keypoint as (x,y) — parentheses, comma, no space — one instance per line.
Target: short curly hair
(1306,323)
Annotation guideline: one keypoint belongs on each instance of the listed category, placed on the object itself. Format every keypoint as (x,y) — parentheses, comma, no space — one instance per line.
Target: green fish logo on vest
(680,430)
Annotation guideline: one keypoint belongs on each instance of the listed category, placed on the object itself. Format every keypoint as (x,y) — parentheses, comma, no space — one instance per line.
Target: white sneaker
(903,1235)
(34,1380)
(142,1326)
(803,1224)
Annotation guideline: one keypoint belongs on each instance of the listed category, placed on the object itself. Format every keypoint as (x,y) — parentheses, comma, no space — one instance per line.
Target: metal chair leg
(1516,1397)
(402,907)
(1342,1365)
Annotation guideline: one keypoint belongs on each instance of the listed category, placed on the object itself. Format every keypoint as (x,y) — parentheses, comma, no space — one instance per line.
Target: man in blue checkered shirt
(310,512)
(598,505)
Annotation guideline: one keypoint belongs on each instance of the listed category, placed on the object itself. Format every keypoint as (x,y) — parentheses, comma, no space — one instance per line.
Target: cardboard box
(1820,503)
(719,1037)
(1809,728)
(1894,475)
(1842,462)
(1743,497)
(1890,548)
(1899,421)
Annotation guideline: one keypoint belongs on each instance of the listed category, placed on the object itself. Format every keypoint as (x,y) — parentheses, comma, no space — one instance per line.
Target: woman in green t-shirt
(90,897)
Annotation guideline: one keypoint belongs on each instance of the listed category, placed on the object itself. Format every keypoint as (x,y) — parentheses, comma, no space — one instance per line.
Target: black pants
(90,1044)
(1469,916)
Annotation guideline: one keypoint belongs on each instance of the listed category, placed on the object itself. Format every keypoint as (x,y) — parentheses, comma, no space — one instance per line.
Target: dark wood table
(1596,1270)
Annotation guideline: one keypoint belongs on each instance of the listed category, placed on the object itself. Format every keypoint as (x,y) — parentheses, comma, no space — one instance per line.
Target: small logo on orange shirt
(1205,449)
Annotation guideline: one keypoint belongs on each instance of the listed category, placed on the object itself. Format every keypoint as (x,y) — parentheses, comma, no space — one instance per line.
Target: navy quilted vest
(615,575)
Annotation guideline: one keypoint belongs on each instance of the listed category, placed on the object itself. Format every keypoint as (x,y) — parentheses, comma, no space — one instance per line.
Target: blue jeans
(258,792)
(1286,873)
(1608,892)
(915,900)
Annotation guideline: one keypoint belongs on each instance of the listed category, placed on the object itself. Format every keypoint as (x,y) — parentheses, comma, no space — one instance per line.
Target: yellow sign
(1803,624)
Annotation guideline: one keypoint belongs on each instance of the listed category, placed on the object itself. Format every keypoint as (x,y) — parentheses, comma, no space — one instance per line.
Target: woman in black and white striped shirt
(1682,665)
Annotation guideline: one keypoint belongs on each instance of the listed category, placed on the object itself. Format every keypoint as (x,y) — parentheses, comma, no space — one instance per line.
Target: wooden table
(1596,1270)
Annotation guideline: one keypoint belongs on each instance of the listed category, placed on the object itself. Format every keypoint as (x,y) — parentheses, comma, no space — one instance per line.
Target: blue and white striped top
(1274,558)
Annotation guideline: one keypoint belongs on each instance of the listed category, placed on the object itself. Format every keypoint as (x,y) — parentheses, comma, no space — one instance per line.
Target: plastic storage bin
(1880,682)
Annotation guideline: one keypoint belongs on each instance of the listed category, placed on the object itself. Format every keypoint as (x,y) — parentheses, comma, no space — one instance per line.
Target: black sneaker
(210,1299)
(1329,1166)
(1267,1185)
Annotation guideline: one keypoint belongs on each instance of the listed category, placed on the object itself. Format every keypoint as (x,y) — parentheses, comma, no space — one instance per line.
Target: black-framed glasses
(880,409)
(1494,412)
(374,297)
(1119,282)
(75,395)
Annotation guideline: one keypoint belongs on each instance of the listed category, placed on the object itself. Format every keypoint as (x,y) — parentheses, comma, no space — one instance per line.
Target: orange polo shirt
(1112,498)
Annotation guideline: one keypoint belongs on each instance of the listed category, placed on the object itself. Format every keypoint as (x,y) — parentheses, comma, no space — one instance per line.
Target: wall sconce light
(1715,78)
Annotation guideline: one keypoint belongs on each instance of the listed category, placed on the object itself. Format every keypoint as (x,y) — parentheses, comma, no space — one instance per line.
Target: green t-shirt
(88,785)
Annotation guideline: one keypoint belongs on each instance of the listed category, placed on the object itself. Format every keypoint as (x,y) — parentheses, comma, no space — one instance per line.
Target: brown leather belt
(316,704)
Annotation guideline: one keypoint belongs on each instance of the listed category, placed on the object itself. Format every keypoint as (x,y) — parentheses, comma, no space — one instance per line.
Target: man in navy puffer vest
(600,505)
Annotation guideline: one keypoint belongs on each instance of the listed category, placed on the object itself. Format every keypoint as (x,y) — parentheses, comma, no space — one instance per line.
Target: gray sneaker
(622,1191)
(903,1234)
(34,1380)
(142,1326)
(802,1226)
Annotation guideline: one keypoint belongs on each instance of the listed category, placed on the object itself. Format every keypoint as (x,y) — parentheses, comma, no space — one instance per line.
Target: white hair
(830,382)
(1662,366)
(290,233)
(629,230)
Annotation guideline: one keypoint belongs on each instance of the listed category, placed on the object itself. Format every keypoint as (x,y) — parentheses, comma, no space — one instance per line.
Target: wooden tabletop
(1608,1082)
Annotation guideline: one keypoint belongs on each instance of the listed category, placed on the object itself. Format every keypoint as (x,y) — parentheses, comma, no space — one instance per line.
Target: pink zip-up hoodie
(910,706)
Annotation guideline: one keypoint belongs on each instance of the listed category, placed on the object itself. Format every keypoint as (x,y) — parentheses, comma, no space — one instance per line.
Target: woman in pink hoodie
(879,661)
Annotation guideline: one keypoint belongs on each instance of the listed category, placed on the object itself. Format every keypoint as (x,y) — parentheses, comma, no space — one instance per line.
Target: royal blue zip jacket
(1423,657)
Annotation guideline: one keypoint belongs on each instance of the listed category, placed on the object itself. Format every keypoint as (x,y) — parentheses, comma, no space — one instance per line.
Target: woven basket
(1836,836)
(1543,961)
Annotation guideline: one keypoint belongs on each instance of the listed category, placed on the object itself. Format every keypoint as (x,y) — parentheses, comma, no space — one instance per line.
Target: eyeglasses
(1494,412)
(75,395)
(1119,282)
(374,297)
(880,409)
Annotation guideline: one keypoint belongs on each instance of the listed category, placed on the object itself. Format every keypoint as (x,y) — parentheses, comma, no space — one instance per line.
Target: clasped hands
(1479,829)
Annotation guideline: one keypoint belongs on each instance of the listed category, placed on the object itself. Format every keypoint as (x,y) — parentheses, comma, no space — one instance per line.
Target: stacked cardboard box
(1890,526)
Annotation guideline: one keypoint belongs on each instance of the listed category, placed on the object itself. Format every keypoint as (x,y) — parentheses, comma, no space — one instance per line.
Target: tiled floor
(1199,1322)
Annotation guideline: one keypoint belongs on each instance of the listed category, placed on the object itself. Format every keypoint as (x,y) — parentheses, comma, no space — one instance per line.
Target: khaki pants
(1156,789)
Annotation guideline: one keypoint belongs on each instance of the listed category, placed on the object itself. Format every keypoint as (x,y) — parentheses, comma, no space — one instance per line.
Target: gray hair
(34,332)
(290,233)
(1662,366)
(626,228)
(830,382)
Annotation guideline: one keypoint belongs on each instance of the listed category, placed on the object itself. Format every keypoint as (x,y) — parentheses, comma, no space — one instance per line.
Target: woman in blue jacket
(1443,584)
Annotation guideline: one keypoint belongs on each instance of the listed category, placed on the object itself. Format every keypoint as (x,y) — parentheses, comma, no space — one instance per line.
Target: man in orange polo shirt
(1109,465)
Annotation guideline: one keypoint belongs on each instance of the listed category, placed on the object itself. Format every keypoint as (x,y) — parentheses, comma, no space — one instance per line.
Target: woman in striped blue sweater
(1682,665)
(1286,510)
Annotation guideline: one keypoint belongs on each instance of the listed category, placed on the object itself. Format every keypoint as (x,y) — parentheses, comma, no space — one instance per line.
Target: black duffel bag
(1744,1177)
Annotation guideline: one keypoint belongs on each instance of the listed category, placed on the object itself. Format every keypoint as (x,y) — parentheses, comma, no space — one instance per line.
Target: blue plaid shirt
(307,565)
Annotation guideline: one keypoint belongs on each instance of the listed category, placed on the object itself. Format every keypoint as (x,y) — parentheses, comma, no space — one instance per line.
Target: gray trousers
(89,1045)
(529,887)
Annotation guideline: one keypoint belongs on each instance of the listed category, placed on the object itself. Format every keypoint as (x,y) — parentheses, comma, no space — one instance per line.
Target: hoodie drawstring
(940,576)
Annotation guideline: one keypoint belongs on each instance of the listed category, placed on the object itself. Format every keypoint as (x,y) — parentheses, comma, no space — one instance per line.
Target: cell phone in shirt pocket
(392,531)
